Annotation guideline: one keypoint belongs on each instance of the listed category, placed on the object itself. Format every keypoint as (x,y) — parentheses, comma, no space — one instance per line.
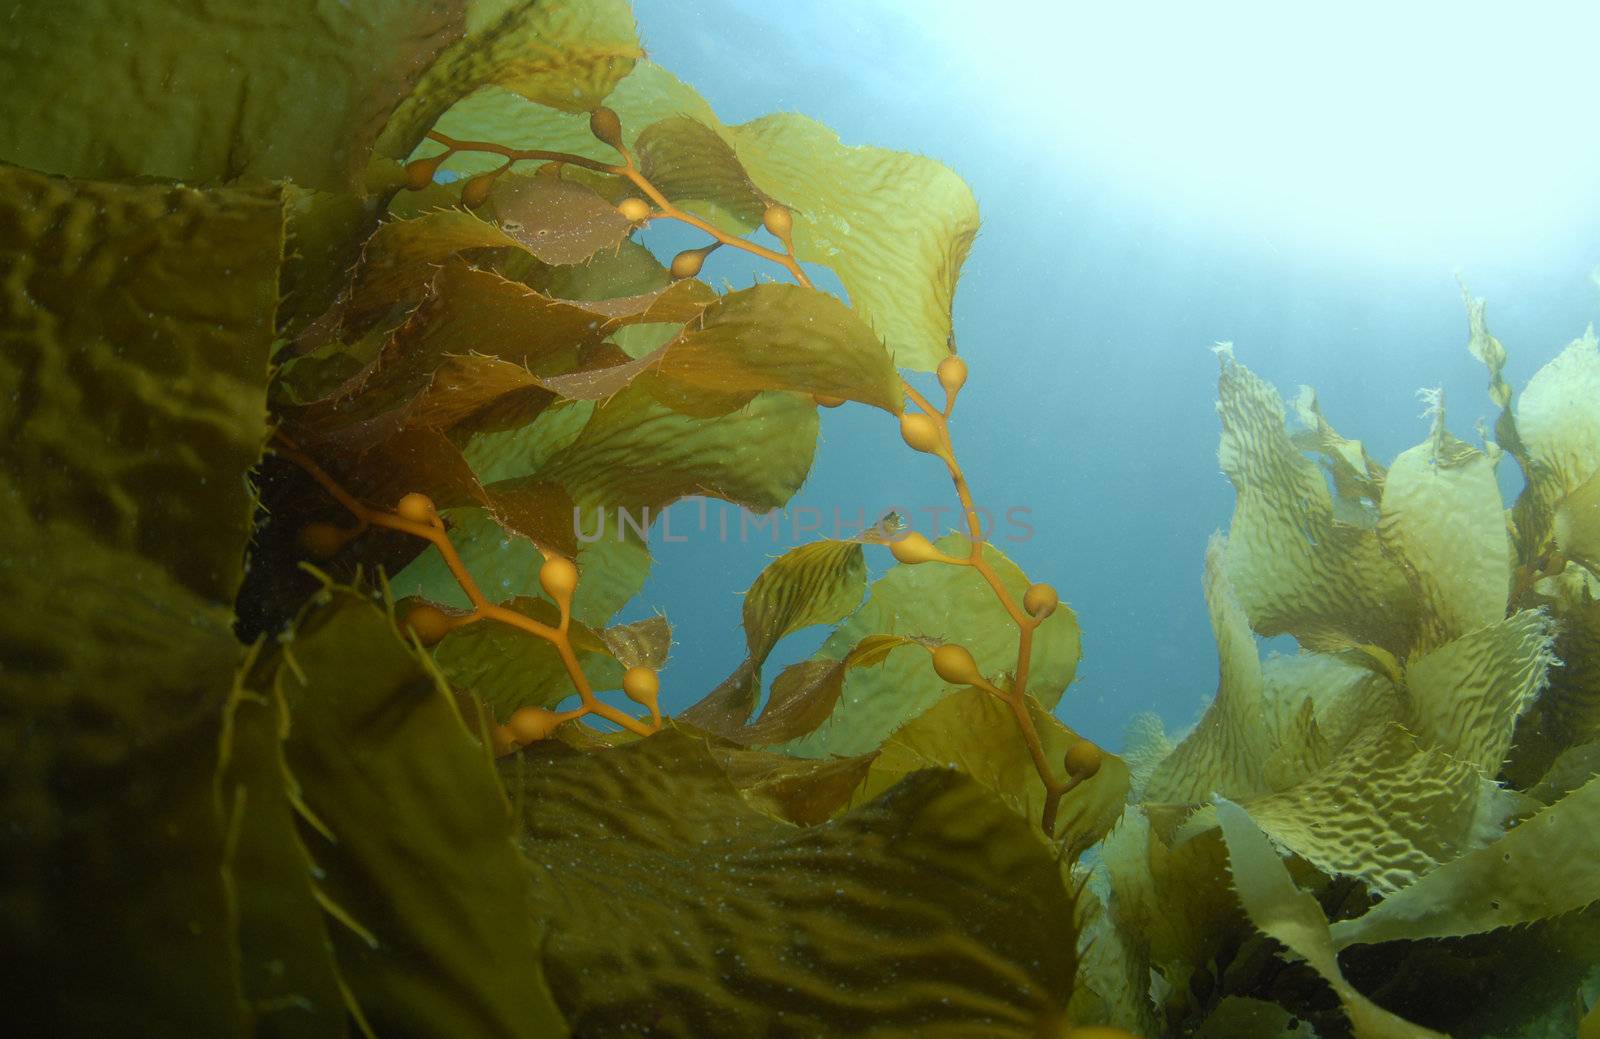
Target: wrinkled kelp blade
(133,391)
(1544,866)
(161,88)
(1294,567)
(135,378)
(673,906)
(563,53)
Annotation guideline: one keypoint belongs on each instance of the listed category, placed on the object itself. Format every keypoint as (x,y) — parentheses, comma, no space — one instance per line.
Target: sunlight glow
(1399,120)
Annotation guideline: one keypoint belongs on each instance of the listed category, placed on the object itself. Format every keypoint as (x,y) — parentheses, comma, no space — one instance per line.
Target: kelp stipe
(460,369)
(436,322)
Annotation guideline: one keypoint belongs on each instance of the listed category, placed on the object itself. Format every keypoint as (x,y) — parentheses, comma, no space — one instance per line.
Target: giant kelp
(319,379)
(1409,761)
(363,291)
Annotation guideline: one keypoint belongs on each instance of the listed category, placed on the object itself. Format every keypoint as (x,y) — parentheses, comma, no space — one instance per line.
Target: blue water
(1087,312)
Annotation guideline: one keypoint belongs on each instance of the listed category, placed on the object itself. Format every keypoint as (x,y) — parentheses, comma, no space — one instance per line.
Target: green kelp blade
(783,337)
(411,836)
(1544,866)
(1228,750)
(971,731)
(804,694)
(689,162)
(895,227)
(612,567)
(818,583)
(567,54)
(931,910)
(557,221)
(133,392)
(508,668)
(1284,912)
(645,643)
(1242,1017)
(804,791)
(945,604)
(112,904)
(291,985)
(637,454)
(109,364)
(294,92)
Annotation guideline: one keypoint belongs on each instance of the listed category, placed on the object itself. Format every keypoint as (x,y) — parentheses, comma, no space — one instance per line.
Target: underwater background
(323,325)
(1153,180)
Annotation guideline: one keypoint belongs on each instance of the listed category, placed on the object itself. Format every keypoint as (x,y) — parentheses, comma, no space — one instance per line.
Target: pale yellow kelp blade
(1386,810)
(1284,912)
(1227,749)
(1547,865)
(1558,420)
(1441,515)
(1294,566)
(1465,696)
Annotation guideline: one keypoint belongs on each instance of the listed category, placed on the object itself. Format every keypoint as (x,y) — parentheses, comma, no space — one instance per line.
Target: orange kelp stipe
(415,514)
(924,427)
(606,126)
